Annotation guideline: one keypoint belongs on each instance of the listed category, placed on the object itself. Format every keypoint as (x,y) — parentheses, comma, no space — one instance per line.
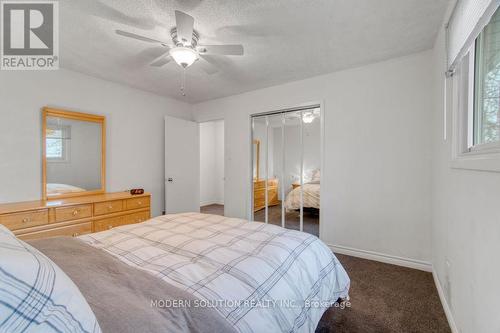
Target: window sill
(58,161)
(479,161)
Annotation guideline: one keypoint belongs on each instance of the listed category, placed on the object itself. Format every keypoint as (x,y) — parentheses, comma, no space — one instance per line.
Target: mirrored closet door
(286,162)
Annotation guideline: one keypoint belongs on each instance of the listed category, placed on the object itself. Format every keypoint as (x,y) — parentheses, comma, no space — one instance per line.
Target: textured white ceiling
(284,40)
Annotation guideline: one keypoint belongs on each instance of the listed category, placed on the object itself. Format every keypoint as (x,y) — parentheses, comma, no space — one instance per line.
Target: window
(486,118)
(57,139)
(476,103)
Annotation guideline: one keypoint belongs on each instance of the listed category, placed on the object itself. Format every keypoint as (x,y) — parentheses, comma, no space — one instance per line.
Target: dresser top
(44,204)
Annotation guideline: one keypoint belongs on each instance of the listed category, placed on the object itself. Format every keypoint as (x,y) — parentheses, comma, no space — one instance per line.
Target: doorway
(286,164)
(212,167)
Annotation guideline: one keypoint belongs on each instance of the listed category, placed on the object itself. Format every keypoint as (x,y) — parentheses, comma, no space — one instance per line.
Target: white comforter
(54,188)
(260,277)
(311,197)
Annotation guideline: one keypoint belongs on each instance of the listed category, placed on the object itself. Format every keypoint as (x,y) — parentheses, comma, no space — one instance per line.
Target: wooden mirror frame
(51,112)
(257,157)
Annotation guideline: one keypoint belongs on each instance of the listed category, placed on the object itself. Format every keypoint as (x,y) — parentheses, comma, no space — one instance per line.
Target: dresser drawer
(73,213)
(259,194)
(261,184)
(259,203)
(25,219)
(70,230)
(136,218)
(106,224)
(273,198)
(108,207)
(137,203)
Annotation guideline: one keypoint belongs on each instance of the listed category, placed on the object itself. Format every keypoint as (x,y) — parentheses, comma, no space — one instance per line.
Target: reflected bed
(311,195)
(59,189)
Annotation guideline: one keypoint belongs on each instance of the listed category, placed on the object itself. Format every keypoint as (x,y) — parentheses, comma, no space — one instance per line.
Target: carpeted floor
(384,298)
(213,209)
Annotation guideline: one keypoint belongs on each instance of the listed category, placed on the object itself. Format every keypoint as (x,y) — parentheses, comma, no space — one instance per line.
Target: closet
(286,168)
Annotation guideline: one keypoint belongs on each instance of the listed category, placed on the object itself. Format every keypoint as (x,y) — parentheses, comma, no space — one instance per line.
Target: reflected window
(58,143)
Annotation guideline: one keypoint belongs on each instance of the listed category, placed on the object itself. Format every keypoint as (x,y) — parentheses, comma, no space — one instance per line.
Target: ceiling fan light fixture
(308,117)
(184,56)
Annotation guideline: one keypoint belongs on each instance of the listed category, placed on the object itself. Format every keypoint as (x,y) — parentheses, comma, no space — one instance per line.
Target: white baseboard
(211,202)
(386,258)
(444,303)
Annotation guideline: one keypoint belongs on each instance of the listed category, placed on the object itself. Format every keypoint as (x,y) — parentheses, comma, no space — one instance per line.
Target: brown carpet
(384,298)
(213,209)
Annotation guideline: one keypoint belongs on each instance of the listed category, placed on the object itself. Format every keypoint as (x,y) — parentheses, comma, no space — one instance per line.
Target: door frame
(298,107)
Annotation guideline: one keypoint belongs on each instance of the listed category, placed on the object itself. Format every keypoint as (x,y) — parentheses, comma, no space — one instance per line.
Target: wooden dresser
(74,216)
(259,193)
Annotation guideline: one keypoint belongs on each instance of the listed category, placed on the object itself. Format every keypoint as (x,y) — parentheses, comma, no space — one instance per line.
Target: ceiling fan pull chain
(183,84)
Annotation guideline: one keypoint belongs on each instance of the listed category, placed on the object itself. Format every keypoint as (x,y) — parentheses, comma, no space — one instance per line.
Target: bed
(201,273)
(311,196)
(58,189)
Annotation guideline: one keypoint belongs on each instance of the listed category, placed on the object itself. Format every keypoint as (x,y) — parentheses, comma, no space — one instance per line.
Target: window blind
(466,22)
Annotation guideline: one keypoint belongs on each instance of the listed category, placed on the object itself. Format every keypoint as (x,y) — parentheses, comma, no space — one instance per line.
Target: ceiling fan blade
(206,66)
(161,60)
(185,25)
(139,37)
(221,49)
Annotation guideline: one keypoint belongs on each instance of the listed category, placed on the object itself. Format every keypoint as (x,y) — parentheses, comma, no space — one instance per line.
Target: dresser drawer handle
(26,220)
(110,207)
(75,212)
(139,203)
(75,234)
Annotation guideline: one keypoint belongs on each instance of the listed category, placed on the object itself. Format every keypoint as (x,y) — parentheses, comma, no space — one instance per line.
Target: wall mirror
(73,154)
(256,159)
(287,189)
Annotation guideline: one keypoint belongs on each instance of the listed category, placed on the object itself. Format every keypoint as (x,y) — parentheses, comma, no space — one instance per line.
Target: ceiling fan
(185,49)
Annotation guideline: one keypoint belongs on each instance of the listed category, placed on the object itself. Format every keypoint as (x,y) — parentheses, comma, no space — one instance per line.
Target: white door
(182,166)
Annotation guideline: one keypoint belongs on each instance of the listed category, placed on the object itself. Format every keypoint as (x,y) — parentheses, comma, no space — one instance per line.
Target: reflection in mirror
(290,161)
(260,198)
(312,170)
(73,155)
(275,163)
(256,159)
(293,166)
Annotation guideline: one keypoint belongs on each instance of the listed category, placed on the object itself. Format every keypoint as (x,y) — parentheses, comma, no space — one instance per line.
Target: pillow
(36,295)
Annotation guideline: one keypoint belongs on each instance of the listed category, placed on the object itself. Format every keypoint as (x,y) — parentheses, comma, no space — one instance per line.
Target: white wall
(135,130)
(219,161)
(212,163)
(377,169)
(465,226)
